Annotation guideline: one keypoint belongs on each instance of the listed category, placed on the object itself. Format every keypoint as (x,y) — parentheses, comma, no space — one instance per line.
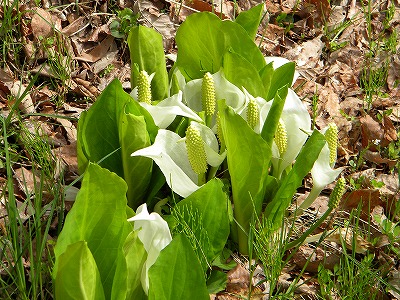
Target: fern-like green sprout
(195,149)
(144,88)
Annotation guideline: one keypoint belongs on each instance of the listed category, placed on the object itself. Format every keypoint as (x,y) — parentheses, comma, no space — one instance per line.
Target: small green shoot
(123,23)
(314,107)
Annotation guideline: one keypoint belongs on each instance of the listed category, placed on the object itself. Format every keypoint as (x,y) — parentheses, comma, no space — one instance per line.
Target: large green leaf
(282,76)
(147,52)
(248,161)
(276,209)
(177,273)
(120,283)
(98,129)
(250,19)
(117,124)
(271,122)
(78,277)
(203,39)
(266,75)
(241,72)
(137,169)
(205,217)
(135,256)
(99,218)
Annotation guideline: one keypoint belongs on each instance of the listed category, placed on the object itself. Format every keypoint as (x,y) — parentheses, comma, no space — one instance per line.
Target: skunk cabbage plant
(218,143)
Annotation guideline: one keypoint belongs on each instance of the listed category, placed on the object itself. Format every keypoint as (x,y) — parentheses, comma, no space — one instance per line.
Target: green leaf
(117,123)
(266,75)
(205,214)
(271,122)
(203,40)
(135,256)
(241,72)
(221,260)
(217,281)
(77,276)
(99,218)
(276,209)
(120,283)
(177,273)
(282,76)
(147,51)
(137,169)
(136,109)
(250,19)
(248,161)
(98,129)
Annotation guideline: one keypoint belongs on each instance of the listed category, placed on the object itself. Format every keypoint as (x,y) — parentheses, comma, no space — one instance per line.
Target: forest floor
(58,56)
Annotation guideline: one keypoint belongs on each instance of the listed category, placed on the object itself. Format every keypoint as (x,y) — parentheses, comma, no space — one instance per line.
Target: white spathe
(170,154)
(165,111)
(322,174)
(297,123)
(224,89)
(155,235)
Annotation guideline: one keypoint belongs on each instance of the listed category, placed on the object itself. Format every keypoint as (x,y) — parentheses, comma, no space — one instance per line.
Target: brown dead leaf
(346,235)
(382,102)
(308,54)
(394,281)
(305,288)
(344,68)
(105,61)
(371,131)
(75,26)
(391,182)
(6,80)
(329,101)
(320,11)
(72,111)
(27,181)
(162,23)
(67,158)
(369,198)
(337,16)
(390,132)
(376,158)
(374,132)
(69,128)
(238,280)
(42,24)
(272,7)
(395,115)
(44,130)
(273,39)
(319,205)
(189,7)
(84,87)
(352,106)
(122,72)
(97,52)
(26,105)
(315,257)
(393,79)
